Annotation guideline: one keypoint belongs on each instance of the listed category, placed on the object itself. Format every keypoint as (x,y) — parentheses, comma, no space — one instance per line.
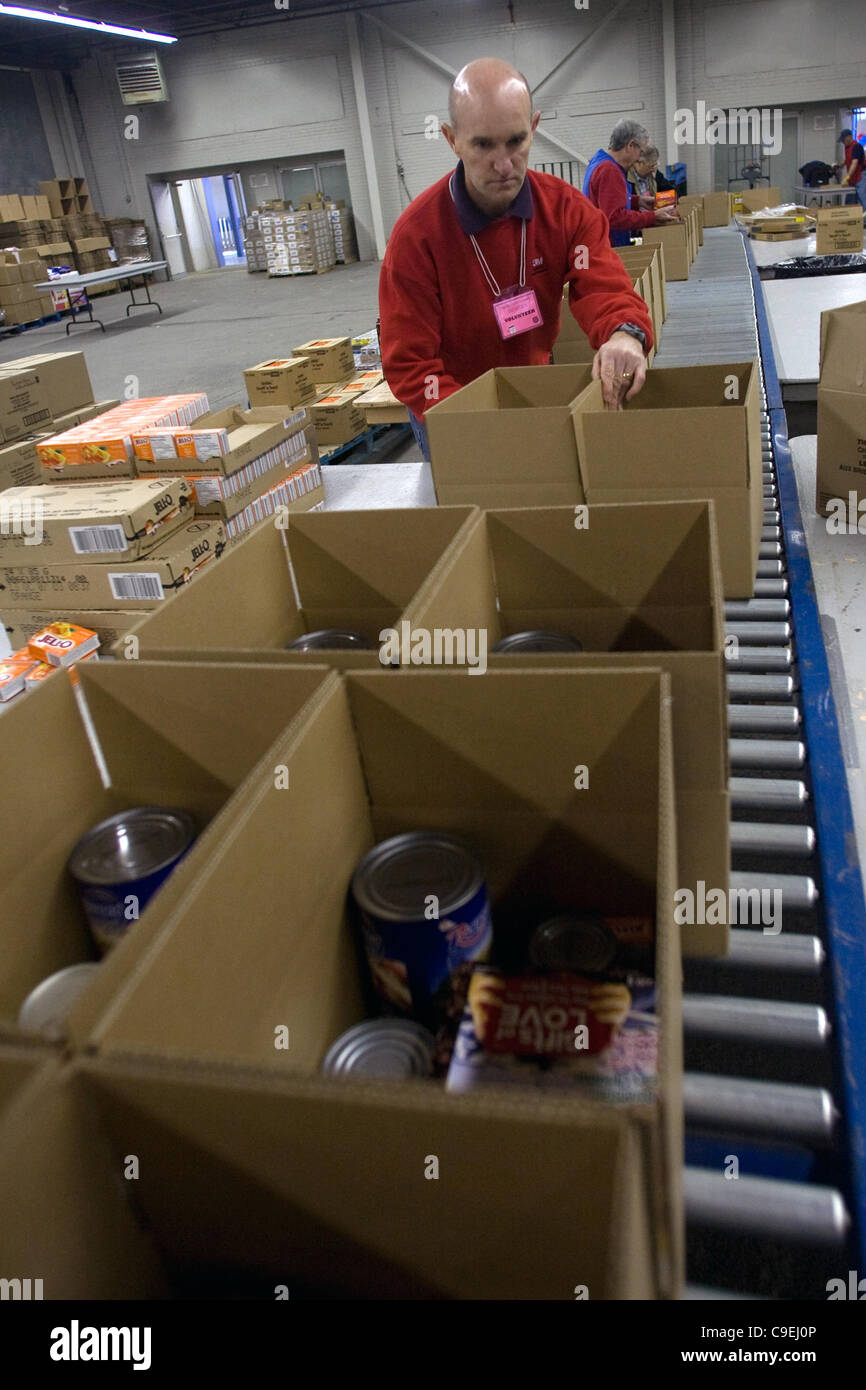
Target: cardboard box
(381,407)
(702,439)
(301,490)
(572,345)
(674,241)
(19,463)
(10,274)
(754,199)
(101,447)
(77,520)
(215,1213)
(21,624)
(226,497)
(24,406)
(330,359)
(31,272)
(18,1065)
(30,311)
(337,418)
(359,570)
(507,439)
(652,257)
(841,468)
(84,245)
(15,294)
(838,230)
(222,441)
(11,208)
(690,204)
(639,585)
(426,749)
(281,381)
(64,376)
(369,753)
(168,735)
(141,584)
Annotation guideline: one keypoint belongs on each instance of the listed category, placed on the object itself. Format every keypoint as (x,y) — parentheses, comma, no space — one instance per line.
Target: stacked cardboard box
(676,242)
(128,238)
(15,207)
(280,381)
(717,209)
(573,345)
(343,226)
(255,249)
(329,360)
(298,243)
(839,230)
(20,301)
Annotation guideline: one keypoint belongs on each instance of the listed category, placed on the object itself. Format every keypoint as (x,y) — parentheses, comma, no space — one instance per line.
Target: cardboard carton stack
(335,413)
(678,242)
(343,226)
(255,249)
(839,230)
(128,238)
(103,447)
(298,243)
(841,473)
(18,207)
(41,395)
(20,301)
(573,345)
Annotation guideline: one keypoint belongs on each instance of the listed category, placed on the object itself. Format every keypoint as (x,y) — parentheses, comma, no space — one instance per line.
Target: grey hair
(649,153)
(626,131)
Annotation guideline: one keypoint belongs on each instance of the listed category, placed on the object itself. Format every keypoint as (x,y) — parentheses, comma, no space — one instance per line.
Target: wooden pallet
(6,329)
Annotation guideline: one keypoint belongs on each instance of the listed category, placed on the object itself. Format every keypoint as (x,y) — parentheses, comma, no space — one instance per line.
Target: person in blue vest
(605,184)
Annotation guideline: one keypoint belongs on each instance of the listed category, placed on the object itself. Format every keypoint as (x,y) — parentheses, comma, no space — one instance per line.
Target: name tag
(517,313)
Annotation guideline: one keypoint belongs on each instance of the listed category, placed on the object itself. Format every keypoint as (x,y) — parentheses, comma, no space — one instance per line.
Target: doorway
(200,221)
(326,176)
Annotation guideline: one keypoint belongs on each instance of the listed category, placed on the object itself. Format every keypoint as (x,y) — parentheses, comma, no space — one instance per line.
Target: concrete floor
(213,325)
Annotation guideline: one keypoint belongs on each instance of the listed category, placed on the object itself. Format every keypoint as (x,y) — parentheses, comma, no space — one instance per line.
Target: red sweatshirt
(605,190)
(437,331)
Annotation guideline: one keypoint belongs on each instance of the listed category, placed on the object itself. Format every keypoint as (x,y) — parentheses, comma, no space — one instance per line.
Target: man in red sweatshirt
(473,273)
(606,184)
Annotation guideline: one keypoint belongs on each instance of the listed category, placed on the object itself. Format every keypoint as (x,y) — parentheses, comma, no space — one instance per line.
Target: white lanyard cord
(488,273)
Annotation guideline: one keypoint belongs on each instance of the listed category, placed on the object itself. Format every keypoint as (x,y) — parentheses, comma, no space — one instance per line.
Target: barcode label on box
(94,540)
(136,586)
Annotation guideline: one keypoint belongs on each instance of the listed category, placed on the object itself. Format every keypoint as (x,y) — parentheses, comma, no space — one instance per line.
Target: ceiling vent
(141,80)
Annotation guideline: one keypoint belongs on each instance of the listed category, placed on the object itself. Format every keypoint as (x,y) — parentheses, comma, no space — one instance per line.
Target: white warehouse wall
(269,94)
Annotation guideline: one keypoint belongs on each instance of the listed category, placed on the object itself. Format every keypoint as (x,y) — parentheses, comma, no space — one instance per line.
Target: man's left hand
(621,365)
(646,202)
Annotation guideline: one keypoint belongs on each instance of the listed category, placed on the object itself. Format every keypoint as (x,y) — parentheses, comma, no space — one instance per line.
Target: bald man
(473,273)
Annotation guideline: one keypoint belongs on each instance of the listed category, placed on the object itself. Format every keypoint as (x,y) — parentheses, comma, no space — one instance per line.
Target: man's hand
(646,202)
(667,215)
(621,365)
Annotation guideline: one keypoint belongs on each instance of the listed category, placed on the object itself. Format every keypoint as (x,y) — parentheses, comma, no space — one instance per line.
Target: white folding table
(101,277)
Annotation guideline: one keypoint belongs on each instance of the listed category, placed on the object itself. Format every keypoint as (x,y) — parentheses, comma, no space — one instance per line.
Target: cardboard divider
(640,585)
(241,1190)
(261,939)
(184,736)
(356,570)
(19,1063)
(691,432)
(508,437)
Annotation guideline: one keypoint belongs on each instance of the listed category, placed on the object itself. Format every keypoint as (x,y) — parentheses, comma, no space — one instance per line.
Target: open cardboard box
(717,209)
(261,939)
(842,409)
(639,586)
(690,432)
(19,1061)
(634,257)
(573,345)
(356,570)
(674,243)
(243,1192)
(171,735)
(507,439)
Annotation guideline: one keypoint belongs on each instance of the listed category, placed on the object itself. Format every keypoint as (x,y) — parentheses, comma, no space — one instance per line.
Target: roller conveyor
(775,1032)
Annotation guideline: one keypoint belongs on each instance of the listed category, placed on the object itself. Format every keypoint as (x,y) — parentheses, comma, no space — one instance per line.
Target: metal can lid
(394,880)
(538,640)
(387,1047)
(330,639)
(572,941)
(47,1006)
(132,845)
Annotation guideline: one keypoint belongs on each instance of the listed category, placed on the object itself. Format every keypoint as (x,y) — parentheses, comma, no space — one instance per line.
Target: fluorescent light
(22,12)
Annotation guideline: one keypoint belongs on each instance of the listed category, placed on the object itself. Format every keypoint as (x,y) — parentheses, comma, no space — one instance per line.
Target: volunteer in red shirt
(606,184)
(855,165)
(473,273)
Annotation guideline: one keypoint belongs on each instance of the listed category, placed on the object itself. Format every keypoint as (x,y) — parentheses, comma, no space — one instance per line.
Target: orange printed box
(666,199)
(62,644)
(14,670)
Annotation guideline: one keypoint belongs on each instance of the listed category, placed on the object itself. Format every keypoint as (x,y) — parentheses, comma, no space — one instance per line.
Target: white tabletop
(95,277)
(794,309)
(362,486)
(771,252)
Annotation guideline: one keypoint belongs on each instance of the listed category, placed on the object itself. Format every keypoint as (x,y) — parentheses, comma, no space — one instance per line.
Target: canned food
(394,1047)
(425,913)
(572,941)
(47,1007)
(120,863)
(537,640)
(330,639)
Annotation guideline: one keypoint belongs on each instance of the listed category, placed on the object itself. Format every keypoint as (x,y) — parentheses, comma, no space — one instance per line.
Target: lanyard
(487,272)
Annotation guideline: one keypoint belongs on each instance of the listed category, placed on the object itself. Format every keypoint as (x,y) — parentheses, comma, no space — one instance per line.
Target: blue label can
(425,914)
(120,863)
